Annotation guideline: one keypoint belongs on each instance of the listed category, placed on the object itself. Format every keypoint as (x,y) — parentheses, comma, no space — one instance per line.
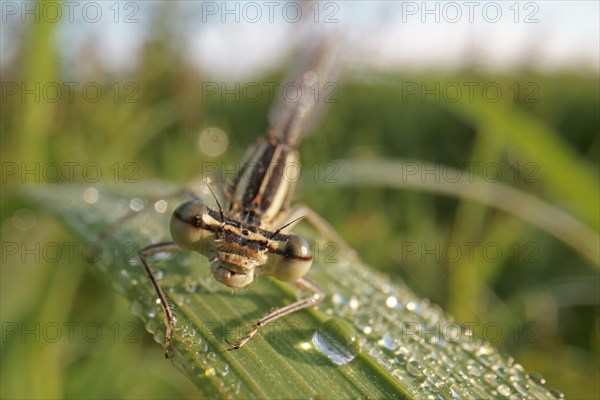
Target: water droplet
(135,308)
(91,195)
(152,325)
(213,141)
(353,303)
(391,302)
(455,391)
(191,287)
(338,299)
(442,389)
(442,371)
(484,350)
(474,369)
(537,378)
(517,368)
(159,336)
(501,372)
(338,340)
(211,357)
(521,386)
(415,368)
(388,342)
(222,369)
(491,378)
(201,346)
(236,387)
(161,206)
(209,372)
(504,390)
(557,393)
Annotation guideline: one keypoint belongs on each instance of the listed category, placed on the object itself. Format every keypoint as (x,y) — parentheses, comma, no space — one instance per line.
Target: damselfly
(248,237)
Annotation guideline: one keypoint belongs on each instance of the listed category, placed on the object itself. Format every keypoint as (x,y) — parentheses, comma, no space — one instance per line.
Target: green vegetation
(537,301)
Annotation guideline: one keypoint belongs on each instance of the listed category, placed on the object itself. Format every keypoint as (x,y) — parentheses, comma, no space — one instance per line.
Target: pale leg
(317,296)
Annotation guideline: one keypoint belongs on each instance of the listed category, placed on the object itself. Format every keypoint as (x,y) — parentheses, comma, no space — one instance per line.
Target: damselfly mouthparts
(248,236)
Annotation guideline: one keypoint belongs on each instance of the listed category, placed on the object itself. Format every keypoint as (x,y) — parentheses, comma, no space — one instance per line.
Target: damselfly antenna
(218,204)
(285,226)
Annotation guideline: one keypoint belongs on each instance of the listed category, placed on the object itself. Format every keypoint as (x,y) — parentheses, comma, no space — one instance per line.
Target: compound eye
(190,225)
(295,261)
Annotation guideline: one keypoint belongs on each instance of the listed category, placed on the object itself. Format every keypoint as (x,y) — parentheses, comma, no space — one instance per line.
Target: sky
(237,40)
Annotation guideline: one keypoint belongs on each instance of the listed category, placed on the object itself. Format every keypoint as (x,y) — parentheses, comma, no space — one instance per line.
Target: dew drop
(213,141)
(484,350)
(521,386)
(557,393)
(337,340)
(201,346)
(491,378)
(537,378)
(236,387)
(391,302)
(211,357)
(388,342)
(442,371)
(159,336)
(152,325)
(415,368)
(474,369)
(222,369)
(455,391)
(209,372)
(504,390)
(338,299)
(135,308)
(161,206)
(191,287)
(91,195)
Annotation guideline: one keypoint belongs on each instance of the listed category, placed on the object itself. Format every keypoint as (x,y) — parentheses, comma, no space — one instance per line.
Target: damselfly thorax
(243,239)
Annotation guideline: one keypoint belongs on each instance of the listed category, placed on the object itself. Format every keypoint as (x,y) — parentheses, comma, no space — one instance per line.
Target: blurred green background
(541,293)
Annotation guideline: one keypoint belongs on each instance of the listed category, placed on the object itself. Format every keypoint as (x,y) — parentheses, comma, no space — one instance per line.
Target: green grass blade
(567,178)
(370,339)
(400,175)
